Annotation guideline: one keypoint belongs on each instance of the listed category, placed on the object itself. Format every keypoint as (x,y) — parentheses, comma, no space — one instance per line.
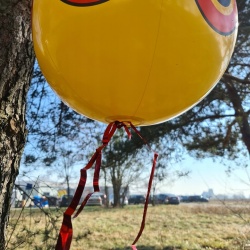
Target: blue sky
(206,174)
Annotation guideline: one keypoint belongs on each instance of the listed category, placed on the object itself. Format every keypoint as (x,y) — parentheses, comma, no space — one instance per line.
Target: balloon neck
(127,120)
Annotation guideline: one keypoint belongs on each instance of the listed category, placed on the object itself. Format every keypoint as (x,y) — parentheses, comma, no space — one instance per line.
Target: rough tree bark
(16,66)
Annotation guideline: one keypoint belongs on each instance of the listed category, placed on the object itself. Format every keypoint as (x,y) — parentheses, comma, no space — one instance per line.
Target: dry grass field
(190,226)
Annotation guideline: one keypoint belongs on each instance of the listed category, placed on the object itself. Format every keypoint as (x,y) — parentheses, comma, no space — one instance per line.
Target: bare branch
(227,76)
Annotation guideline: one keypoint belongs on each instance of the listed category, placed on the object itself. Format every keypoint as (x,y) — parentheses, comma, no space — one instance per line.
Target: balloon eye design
(225,3)
(84,2)
(221,15)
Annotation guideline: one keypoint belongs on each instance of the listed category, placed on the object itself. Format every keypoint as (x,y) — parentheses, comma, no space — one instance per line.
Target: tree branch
(234,78)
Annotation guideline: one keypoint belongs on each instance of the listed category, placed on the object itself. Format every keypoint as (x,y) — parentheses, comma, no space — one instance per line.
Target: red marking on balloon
(84,2)
(223,23)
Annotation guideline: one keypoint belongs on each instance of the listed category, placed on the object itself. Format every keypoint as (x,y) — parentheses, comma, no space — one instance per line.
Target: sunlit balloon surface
(143,61)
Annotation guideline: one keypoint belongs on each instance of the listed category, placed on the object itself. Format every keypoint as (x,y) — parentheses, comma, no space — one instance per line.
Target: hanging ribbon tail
(82,205)
(133,247)
(97,172)
(95,182)
(146,201)
(66,233)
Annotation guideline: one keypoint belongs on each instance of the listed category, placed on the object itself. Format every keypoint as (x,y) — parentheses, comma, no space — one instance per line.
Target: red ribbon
(66,231)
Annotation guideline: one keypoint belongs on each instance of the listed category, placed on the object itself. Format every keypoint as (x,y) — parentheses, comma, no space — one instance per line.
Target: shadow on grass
(141,247)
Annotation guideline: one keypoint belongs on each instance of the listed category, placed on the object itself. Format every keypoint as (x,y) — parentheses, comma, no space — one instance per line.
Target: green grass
(186,227)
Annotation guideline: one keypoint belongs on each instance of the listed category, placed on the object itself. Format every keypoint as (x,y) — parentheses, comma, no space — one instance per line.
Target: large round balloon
(143,61)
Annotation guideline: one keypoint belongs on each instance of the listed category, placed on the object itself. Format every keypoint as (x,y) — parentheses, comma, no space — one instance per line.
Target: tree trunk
(16,66)
(116,183)
(68,187)
(242,116)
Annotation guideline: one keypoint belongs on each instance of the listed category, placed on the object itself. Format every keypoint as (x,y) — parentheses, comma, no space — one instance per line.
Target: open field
(189,226)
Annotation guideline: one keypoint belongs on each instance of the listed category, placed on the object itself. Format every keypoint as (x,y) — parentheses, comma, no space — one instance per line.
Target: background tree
(16,66)
(58,138)
(120,167)
(128,162)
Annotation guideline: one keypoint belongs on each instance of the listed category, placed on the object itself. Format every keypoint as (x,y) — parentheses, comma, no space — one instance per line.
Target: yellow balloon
(143,61)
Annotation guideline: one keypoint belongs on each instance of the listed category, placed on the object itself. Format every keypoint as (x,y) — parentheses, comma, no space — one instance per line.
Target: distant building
(208,194)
